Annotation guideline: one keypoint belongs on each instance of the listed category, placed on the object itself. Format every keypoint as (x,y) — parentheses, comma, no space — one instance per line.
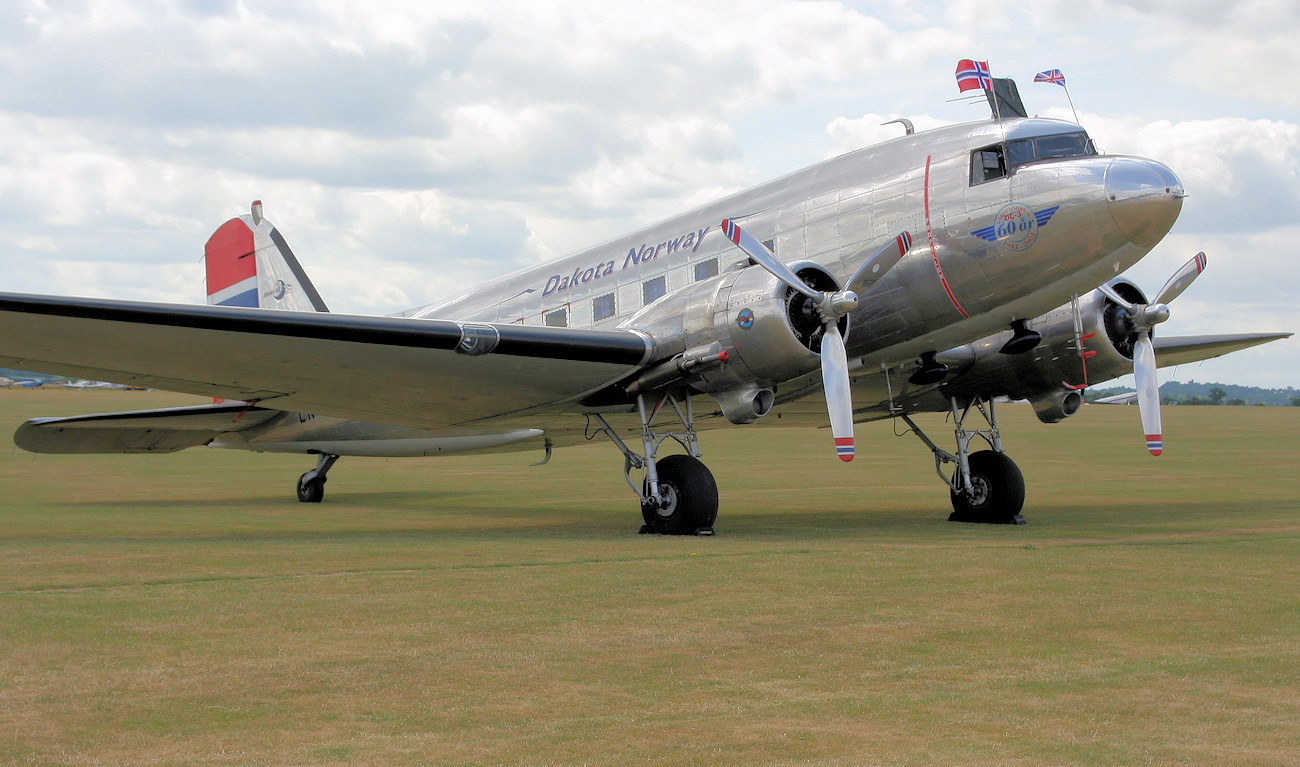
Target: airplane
(933,272)
(1123,398)
(84,384)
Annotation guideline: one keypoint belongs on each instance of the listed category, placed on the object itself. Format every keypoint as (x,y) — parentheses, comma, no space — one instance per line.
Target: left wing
(396,370)
(1180,350)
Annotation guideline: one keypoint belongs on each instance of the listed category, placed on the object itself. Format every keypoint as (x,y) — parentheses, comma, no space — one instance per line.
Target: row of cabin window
(603,306)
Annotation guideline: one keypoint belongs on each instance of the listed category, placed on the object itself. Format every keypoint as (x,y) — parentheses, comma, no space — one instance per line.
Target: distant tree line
(1193,393)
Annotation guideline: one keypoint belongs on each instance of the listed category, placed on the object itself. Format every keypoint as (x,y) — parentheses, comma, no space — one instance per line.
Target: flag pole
(993,88)
(1067,98)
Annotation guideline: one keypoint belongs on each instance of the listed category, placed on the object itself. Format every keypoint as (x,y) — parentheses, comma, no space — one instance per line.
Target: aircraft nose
(1145,198)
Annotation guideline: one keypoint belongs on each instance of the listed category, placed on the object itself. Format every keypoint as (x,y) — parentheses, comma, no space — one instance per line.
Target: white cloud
(849,133)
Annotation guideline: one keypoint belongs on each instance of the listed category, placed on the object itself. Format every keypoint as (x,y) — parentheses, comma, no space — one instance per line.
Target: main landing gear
(985,486)
(311,485)
(678,494)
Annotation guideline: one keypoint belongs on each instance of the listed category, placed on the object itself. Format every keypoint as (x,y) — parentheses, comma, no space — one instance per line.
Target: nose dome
(1145,198)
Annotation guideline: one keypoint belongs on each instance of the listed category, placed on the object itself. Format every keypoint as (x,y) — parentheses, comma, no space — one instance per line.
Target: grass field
(187,610)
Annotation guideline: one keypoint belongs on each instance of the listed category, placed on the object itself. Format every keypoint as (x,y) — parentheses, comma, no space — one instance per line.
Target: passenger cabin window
(653,290)
(987,164)
(706,269)
(602,307)
(558,318)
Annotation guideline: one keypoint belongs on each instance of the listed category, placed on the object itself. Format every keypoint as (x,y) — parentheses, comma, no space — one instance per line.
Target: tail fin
(249,264)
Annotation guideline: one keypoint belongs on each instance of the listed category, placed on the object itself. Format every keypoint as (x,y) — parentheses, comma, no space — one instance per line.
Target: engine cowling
(765,332)
(1052,375)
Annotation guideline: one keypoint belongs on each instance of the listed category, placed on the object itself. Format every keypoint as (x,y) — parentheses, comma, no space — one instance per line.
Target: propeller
(1144,317)
(832,306)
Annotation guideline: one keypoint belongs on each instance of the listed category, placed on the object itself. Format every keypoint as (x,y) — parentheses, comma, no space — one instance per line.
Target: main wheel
(998,491)
(311,490)
(692,497)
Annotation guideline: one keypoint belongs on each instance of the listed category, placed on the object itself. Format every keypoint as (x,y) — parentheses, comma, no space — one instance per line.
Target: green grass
(186,609)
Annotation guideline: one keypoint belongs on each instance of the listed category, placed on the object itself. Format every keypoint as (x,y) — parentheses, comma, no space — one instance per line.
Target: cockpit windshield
(1027,150)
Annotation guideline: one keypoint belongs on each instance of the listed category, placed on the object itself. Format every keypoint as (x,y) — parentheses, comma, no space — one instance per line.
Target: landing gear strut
(311,485)
(985,486)
(678,494)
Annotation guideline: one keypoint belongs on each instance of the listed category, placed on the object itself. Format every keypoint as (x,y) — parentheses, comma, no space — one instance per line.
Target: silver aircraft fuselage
(1009,219)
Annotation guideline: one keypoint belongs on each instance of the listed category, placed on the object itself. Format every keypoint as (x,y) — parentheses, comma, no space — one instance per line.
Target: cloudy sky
(408,149)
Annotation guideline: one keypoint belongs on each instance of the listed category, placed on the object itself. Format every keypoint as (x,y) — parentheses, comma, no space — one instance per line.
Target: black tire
(311,490)
(999,491)
(693,493)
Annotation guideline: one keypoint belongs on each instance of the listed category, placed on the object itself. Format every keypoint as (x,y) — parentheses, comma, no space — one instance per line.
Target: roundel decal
(745,319)
(1015,227)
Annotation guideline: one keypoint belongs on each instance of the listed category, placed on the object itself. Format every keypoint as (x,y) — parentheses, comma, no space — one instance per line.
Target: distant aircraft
(22,383)
(85,383)
(929,273)
(1124,398)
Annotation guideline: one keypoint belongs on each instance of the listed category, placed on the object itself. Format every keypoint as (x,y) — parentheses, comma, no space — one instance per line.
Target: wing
(1180,350)
(396,370)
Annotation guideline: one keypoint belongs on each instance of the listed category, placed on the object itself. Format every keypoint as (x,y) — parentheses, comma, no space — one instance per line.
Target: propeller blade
(765,258)
(878,263)
(1148,391)
(1110,293)
(1181,279)
(839,398)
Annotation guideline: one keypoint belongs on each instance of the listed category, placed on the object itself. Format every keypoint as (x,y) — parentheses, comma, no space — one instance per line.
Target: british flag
(972,75)
(1050,76)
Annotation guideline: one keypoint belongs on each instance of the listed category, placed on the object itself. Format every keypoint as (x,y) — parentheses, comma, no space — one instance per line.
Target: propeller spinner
(832,306)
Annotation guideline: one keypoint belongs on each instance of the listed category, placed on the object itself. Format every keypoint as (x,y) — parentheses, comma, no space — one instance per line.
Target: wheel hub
(979,491)
(667,505)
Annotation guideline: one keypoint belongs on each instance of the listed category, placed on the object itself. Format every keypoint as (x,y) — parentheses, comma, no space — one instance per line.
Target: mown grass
(185,609)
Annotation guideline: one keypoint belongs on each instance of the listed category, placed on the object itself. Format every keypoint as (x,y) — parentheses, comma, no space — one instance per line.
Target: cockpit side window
(987,164)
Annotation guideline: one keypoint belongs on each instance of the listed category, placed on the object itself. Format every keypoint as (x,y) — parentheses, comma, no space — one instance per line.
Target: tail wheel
(691,496)
(997,491)
(311,490)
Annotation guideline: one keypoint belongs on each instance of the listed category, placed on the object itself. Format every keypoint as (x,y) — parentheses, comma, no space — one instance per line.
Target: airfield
(185,609)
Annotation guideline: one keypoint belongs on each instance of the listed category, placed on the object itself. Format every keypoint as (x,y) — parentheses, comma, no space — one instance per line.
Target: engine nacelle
(1052,375)
(767,333)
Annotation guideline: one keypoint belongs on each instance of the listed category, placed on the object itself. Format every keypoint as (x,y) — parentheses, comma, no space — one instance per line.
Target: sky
(408,150)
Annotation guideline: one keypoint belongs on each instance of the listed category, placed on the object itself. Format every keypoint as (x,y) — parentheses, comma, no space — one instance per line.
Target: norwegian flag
(1053,76)
(973,75)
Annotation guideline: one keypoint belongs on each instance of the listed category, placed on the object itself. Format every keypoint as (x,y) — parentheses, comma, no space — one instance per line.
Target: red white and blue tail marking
(231,261)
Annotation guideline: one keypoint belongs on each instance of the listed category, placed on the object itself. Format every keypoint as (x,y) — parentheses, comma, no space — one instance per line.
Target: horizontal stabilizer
(1180,350)
(140,431)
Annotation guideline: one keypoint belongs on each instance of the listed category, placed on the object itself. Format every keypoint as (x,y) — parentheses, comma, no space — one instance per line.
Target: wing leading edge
(396,370)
